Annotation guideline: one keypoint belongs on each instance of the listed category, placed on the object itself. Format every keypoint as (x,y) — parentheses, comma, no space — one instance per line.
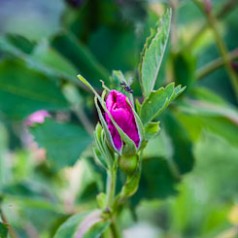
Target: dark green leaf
(64,143)
(157,180)
(26,91)
(184,69)
(21,43)
(157,101)
(80,57)
(182,157)
(152,54)
(3,230)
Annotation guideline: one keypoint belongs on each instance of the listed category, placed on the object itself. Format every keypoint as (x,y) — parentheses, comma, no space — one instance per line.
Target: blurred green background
(189,184)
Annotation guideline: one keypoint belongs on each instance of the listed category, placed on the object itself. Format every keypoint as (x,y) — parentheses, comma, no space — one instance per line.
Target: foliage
(178,70)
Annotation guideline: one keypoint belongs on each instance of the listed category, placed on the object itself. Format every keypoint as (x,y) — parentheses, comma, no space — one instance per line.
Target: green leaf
(41,57)
(184,65)
(102,152)
(157,180)
(68,228)
(182,158)
(20,43)
(87,225)
(97,230)
(64,143)
(157,101)
(27,91)
(153,52)
(73,50)
(3,230)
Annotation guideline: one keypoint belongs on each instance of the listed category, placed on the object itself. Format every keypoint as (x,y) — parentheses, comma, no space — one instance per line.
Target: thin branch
(215,64)
(223,12)
(211,19)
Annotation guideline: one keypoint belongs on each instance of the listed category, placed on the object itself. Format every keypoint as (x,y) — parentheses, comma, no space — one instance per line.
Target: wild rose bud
(121,112)
(37,117)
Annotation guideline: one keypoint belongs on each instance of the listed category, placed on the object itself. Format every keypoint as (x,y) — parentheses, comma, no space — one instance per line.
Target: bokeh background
(47,171)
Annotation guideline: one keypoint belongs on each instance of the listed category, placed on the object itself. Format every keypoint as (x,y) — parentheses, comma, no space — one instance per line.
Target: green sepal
(139,125)
(105,127)
(158,101)
(101,200)
(151,130)
(101,151)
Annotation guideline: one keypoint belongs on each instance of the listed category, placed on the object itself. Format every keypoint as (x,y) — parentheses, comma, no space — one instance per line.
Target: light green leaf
(64,143)
(151,129)
(83,225)
(157,101)
(24,91)
(68,228)
(153,52)
(101,150)
(96,230)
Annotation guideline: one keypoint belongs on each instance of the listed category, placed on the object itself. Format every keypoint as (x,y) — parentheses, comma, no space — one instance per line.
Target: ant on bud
(126,87)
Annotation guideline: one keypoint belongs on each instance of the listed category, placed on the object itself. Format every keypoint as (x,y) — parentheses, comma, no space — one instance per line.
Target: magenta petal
(123,115)
(37,117)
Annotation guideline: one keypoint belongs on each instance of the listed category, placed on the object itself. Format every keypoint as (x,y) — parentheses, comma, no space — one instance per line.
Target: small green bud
(128,164)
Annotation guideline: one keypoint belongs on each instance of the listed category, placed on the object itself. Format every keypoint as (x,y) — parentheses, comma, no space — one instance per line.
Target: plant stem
(224,10)
(221,45)
(115,230)
(110,200)
(215,64)
(12,233)
(111,185)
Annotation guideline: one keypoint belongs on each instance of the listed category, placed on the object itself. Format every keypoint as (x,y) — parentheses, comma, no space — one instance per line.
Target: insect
(126,87)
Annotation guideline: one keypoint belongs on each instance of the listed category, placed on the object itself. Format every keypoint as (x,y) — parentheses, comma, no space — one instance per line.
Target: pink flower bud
(37,117)
(121,112)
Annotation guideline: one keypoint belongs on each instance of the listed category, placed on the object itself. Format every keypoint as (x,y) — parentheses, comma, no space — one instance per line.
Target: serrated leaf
(157,101)
(153,52)
(27,91)
(3,230)
(63,142)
